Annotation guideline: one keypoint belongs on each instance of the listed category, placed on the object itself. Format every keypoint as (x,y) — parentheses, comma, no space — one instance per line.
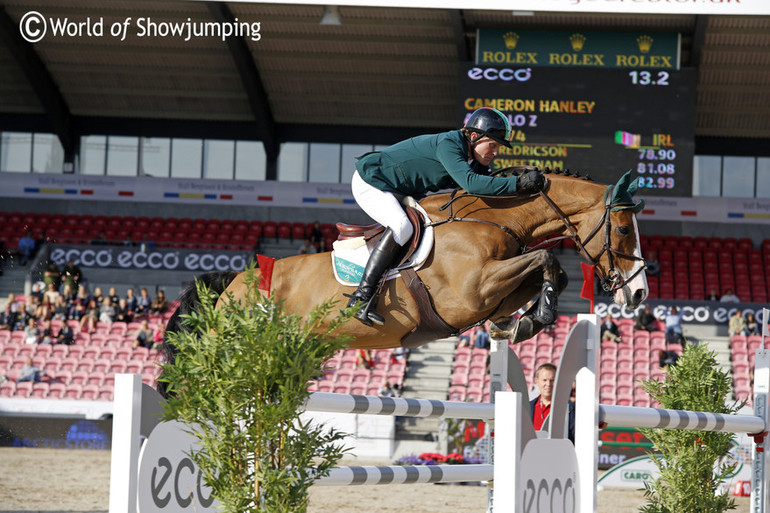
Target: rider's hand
(531,182)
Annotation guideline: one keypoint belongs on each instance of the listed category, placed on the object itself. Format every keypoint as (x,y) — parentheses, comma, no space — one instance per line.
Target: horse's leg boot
(527,326)
(547,304)
(382,256)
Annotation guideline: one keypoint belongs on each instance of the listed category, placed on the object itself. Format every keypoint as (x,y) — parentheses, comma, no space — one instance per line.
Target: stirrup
(367,315)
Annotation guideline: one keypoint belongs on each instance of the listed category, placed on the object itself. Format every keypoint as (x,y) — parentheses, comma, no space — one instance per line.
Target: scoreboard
(599,122)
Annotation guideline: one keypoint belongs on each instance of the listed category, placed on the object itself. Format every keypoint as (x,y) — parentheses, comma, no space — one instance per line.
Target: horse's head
(613,244)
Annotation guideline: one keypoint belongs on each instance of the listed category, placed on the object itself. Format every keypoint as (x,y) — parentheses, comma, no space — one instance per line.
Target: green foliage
(241,376)
(688,482)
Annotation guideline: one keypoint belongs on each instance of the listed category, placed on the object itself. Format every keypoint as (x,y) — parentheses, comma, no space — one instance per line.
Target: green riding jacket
(430,163)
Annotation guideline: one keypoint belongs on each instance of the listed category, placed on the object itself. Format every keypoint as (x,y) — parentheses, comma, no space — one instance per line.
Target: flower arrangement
(434,458)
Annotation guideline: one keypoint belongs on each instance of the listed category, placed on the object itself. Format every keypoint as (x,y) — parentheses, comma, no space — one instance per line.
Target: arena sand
(52,480)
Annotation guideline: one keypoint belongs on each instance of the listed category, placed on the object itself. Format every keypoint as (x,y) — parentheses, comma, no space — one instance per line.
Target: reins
(611,281)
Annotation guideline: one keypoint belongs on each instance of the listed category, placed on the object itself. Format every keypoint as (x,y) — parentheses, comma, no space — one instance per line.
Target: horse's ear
(624,191)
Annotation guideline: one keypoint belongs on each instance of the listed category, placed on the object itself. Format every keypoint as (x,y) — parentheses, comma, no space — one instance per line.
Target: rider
(421,164)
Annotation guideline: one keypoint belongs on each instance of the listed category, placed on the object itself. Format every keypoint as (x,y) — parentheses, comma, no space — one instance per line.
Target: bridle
(611,281)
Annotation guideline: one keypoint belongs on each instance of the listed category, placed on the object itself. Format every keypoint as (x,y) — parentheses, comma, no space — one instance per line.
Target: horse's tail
(217,281)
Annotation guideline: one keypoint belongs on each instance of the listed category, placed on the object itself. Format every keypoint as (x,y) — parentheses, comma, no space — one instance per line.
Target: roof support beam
(43,84)
(253,87)
(459,28)
(698,39)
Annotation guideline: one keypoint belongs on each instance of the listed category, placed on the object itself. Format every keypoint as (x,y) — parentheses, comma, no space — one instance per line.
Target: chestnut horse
(481,266)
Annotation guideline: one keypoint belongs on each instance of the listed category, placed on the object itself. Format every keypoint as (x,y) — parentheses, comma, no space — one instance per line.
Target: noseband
(611,281)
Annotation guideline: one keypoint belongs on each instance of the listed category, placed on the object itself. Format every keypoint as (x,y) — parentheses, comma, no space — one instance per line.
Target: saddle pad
(349,256)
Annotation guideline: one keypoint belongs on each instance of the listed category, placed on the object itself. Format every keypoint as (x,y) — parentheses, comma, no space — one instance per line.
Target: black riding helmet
(490,123)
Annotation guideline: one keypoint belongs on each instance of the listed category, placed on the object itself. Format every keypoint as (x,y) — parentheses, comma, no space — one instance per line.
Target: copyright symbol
(32,26)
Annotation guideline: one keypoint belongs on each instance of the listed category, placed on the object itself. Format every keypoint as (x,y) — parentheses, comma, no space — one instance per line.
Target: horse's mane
(556,171)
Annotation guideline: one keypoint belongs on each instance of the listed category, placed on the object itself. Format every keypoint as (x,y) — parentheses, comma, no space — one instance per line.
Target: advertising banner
(163,259)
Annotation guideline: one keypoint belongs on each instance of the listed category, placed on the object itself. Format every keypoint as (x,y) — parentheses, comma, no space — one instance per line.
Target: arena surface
(58,481)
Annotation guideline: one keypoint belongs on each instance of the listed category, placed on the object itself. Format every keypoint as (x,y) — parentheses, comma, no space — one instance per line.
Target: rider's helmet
(490,123)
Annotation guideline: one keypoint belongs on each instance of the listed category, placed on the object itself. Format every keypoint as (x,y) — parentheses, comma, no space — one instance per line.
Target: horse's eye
(624,230)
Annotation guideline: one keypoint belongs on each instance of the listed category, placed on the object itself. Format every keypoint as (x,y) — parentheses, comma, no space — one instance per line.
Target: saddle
(374,232)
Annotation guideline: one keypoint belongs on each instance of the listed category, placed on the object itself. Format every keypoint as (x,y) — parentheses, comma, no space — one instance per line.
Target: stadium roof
(383,74)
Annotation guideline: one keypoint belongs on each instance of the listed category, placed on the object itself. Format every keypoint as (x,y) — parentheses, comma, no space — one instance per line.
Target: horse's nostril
(639,295)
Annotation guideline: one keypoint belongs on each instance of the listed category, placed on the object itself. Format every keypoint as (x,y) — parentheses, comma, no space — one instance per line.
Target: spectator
(159,305)
(101,240)
(399,352)
(32,334)
(464,340)
(60,310)
(316,235)
(307,248)
(396,390)
(713,295)
(52,294)
(131,301)
(364,359)
(68,293)
(646,320)
(98,296)
(26,245)
(113,295)
(609,330)
(737,324)
(107,310)
(540,406)
(157,338)
(385,389)
(44,310)
(143,336)
(729,297)
(90,316)
(481,339)
(66,335)
(30,372)
(122,312)
(8,318)
(46,333)
(72,275)
(752,326)
(52,275)
(37,292)
(666,358)
(79,304)
(674,327)
(143,302)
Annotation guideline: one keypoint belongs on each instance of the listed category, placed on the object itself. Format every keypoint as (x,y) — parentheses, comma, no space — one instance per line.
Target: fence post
(759,489)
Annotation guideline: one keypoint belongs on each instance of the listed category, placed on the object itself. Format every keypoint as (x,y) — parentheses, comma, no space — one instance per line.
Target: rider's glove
(531,182)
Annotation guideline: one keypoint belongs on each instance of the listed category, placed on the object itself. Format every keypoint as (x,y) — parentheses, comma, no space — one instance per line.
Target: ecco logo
(549,496)
(163,472)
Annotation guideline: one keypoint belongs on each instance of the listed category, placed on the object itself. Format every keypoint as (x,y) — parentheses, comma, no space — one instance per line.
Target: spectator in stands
(364,359)
(646,320)
(131,301)
(98,296)
(610,331)
(52,275)
(8,318)
(157,338)
(72,275)
(107,310)
(737,324)
(60,310)
(316,235)
(674,327)
(44,310)
(90,316)
(101,240)
(729,297)
(481,340)
(37,292)
(307,248)
(52,294)
(464,340)
(40,241)
(79,304)
(31,333)
(752,326)
(713,295)
(396,390)
(122,312)
(26,246)
(540,406)
(322,248)
(666,358)
(113,295)
(46,332)
(143,336)
(30,372)
(143,302)
(159,305)
(399,352)
(385,389)
(66,335)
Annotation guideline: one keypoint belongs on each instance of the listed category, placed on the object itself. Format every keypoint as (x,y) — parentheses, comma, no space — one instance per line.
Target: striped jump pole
(658,418)
(406,474)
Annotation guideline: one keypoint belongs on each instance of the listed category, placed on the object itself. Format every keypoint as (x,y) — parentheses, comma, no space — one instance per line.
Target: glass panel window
(93,154)
(219,157)
(292,162)
(763,177)
(122,155)
(16,152)
(250,160)
(738,177)
(155,157)
(707,176)
(349,154)
(47,154)
(324,163)
(186,158)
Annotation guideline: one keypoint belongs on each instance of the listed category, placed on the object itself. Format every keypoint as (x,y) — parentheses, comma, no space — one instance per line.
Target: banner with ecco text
(160,259)
(694,312)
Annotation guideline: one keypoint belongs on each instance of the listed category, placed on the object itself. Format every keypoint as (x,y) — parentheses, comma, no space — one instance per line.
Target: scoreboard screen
(599,122)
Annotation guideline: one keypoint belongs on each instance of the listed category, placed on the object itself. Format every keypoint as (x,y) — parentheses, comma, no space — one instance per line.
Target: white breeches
(383,207)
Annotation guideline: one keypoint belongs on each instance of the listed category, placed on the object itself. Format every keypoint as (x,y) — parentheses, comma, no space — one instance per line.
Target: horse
(483,265)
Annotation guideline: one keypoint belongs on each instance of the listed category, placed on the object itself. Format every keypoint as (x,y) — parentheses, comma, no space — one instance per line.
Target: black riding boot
(379,261)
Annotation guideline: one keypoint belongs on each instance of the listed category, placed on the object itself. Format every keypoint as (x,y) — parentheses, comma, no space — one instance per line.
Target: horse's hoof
(497,334)
(526,328)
